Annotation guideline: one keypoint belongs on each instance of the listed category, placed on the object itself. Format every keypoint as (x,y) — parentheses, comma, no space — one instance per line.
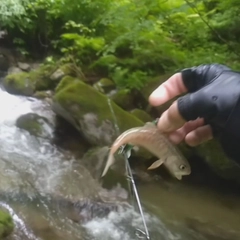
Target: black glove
(214,94)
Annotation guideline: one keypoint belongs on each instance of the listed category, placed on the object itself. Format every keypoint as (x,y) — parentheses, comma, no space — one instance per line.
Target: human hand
(210,108)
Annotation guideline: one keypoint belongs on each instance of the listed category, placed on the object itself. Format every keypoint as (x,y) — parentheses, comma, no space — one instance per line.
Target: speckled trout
(150,138)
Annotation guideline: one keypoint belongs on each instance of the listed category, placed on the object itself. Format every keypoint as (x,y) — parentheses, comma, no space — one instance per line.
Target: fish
(151,138)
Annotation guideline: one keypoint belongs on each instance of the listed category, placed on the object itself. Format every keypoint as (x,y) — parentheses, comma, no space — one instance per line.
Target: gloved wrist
(214,94)
(230,135)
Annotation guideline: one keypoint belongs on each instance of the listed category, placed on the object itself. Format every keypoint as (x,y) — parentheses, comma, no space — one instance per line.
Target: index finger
(171,88)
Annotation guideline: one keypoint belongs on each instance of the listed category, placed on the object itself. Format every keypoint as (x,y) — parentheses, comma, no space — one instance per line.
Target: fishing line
(126,152)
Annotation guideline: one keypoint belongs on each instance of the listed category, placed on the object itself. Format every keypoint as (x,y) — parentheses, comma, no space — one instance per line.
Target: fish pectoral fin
(156,164)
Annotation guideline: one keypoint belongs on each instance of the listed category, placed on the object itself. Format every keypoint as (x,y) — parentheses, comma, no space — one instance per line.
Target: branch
(194,8)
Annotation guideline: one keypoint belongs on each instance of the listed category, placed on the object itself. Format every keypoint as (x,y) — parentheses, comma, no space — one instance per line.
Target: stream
(33,171)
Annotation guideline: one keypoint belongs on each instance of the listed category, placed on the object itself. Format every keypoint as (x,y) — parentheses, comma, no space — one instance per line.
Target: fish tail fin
(110,161)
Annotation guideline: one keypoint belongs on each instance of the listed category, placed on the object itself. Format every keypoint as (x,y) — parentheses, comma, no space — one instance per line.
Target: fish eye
(182,167)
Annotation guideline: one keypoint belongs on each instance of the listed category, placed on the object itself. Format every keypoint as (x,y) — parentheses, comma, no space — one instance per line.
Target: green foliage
(10,11)
(130,41)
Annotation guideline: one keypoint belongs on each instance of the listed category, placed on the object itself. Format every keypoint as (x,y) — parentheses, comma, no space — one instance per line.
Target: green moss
(32,127)
(19,83)
(79,99)
(124,99)
(69,69)
(41,76)
(145,117)
(41,94)
(215,157)
(6,224)
(65,82)
(104,85)
(27,83)
(32,123)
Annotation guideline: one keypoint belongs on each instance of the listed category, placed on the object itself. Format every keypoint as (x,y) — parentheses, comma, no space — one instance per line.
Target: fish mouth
(179,177)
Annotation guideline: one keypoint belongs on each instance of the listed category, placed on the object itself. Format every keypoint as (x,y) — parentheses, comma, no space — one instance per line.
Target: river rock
(123,98)
(214,156)
(104,85)
(13,70)
(26,83)
(19,83)
(6,224)
(211,231)
(94,160)
(24,66)
(90,112)
(57,75)
(141,114)
(4,65)
(36,125)
(43,94)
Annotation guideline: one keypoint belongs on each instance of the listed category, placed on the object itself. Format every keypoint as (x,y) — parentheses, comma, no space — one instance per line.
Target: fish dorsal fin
(156,164)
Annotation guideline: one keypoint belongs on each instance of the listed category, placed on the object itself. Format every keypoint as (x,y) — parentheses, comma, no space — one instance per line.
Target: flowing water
(32,169)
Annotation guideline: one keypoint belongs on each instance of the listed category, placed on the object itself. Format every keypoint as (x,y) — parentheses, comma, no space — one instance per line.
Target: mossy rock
(124,99)
(91,112)
(215,157)
(65,82)
(141,114)
(69,69)
(42,79)
(36,125)
(26,83)
(42,94)
(104,85)
(94,160)
(19,83)
(6,224)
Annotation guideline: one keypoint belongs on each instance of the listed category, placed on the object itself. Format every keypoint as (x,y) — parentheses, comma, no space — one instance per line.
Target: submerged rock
(43,94)
(6,224)
(215,157)
(91,112)
(211,231)
(36,125)
(94,160)
(77,210)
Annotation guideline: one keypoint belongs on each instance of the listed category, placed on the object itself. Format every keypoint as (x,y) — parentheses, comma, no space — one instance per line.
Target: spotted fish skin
(150,138)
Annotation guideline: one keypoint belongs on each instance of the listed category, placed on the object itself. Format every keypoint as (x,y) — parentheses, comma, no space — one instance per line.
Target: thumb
(171,119)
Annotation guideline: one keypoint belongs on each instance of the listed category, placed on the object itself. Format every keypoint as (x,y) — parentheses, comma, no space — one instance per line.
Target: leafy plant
(128,40)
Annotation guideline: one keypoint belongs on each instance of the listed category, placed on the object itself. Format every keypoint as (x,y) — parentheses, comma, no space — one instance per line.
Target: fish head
(177,166)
